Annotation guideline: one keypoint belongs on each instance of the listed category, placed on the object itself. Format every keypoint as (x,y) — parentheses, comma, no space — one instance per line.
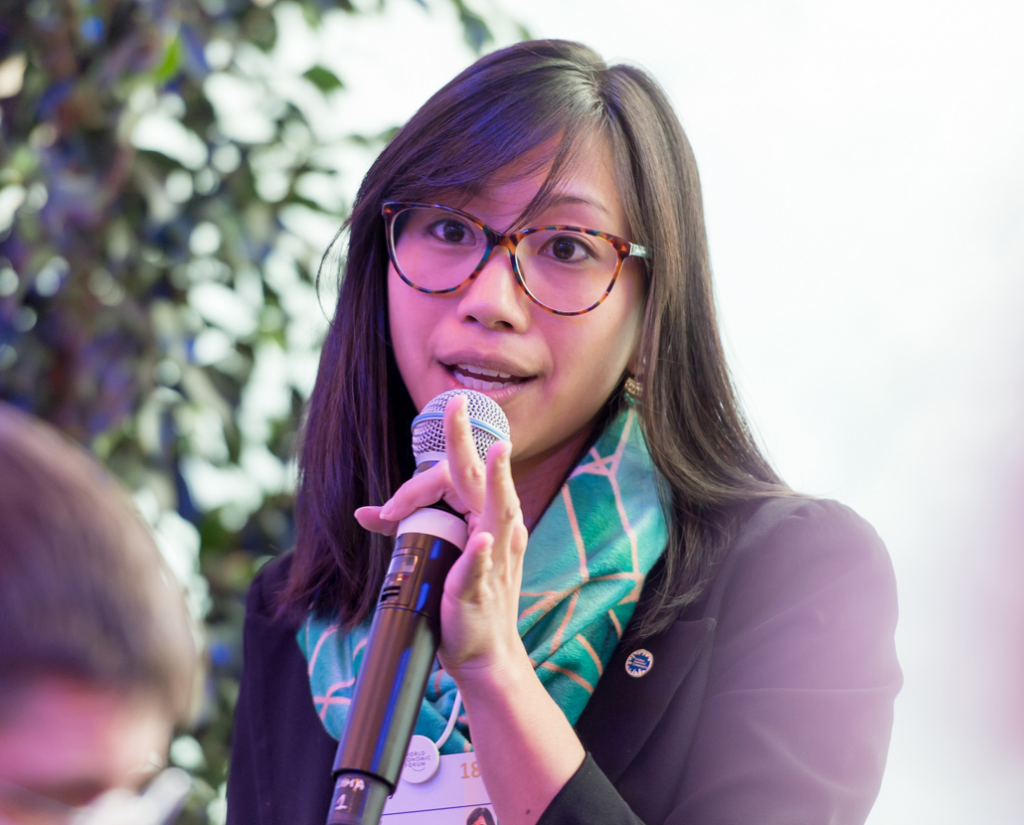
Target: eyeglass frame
(510,241)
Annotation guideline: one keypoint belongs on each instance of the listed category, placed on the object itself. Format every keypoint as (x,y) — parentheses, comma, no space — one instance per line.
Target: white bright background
(863,173)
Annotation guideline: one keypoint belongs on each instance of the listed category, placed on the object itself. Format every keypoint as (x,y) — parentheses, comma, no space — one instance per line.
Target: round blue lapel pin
(639,662)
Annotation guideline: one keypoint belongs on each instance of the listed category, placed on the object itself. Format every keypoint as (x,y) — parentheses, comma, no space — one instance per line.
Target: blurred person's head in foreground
(97,657)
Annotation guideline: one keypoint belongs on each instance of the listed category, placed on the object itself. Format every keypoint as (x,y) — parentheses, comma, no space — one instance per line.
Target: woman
(646,624)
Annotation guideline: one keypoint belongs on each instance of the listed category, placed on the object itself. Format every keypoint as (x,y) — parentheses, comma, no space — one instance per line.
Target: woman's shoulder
(806,567)
(801,524)
(268,583)
(805,530)
(795,548)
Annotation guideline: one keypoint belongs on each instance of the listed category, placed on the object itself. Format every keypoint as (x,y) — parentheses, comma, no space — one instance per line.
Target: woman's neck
(539,478)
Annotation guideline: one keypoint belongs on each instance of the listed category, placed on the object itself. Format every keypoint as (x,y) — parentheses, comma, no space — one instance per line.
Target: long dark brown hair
(355,449)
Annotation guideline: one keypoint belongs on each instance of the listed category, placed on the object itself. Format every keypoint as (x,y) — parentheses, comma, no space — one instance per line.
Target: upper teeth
(483,371)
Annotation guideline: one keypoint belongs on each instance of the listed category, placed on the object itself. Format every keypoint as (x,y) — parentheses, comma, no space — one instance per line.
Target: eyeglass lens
(565,270)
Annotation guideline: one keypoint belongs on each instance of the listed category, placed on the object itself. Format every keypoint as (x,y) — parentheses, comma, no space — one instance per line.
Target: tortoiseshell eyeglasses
(567,270)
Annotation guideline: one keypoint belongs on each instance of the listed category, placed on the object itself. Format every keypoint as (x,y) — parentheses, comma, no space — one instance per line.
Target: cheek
(589,364)
(631,323)
(601,351)
(411,323)
(402,319)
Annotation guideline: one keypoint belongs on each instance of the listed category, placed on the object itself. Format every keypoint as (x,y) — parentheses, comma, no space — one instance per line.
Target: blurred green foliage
(166,194)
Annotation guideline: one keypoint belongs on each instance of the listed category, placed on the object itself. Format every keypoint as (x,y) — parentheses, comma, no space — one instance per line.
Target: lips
(485,377)
(482,379)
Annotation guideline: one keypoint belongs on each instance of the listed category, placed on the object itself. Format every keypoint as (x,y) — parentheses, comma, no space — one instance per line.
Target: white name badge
(450,797)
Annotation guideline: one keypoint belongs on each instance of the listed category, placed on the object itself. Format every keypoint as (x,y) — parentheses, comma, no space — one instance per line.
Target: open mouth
(482,379)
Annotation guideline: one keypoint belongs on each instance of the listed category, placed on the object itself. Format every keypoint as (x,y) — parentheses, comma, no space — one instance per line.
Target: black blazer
(768,702)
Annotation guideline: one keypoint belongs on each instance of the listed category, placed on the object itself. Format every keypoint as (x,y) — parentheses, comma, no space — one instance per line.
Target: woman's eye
(451,231)
(567,248)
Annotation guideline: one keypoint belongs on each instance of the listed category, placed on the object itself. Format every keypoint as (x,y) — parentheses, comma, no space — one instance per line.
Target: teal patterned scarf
(585,565)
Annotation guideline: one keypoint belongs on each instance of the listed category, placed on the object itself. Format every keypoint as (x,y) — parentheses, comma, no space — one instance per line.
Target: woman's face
(563,368)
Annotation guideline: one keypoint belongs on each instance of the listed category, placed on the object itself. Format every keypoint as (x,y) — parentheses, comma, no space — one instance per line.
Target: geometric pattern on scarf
(585,565)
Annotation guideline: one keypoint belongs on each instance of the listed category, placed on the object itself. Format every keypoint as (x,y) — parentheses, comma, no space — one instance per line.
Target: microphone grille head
(486,419)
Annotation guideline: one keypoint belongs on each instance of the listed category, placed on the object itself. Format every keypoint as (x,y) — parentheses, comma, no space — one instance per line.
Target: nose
(494,299)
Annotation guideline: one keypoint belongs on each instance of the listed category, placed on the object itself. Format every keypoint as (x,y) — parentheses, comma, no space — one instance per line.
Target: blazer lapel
(615,737)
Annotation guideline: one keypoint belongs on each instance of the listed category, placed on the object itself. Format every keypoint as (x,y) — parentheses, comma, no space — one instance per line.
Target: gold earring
(633,388)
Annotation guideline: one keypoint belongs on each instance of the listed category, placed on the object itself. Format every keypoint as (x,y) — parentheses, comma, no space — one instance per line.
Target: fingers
(464,466)
(369,519)
(488,490)
(467,579)
(422,490)
(502,515)
(459,480)
(485,493)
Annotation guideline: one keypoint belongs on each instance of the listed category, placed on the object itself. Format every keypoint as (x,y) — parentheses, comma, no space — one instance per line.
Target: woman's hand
(480,605)
(526,748)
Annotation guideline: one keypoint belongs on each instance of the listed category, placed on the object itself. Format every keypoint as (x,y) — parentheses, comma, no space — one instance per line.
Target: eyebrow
(569,199)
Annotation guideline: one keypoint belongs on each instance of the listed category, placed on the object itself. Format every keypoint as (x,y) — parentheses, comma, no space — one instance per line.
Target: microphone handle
(397,661)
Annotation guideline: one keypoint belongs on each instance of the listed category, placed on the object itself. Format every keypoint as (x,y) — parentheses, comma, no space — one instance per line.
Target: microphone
(406,628)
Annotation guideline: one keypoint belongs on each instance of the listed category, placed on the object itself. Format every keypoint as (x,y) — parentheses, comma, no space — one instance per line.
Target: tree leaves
(324,79)
(475,30)
(165,200)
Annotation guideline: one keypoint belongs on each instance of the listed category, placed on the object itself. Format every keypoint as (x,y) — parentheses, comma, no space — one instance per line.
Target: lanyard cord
(451,720)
